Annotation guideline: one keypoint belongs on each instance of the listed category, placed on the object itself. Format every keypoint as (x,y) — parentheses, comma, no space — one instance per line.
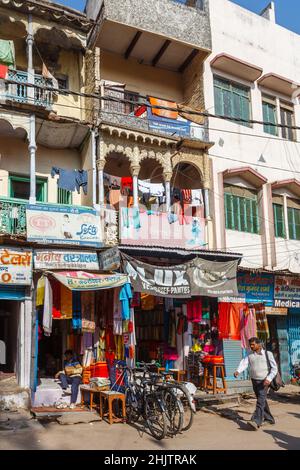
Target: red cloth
(223,323)
(194,310)
(56,308)
(186,196)
(229,324)
(127,182)
(3,71)
(110,340)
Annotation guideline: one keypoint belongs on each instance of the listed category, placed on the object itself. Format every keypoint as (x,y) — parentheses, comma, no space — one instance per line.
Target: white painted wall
(258,41)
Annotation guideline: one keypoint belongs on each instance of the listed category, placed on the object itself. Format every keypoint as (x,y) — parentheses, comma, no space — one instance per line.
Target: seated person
(71,375)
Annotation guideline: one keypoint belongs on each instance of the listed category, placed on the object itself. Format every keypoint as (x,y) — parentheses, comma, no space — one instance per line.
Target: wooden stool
(179,375)
(91,391)
(110,397)
(207,386)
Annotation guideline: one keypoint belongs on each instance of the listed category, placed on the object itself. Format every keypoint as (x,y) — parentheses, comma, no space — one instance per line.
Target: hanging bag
(277,382)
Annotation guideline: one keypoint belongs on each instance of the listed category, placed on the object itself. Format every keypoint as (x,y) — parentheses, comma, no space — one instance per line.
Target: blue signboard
(169,126)
(256,287)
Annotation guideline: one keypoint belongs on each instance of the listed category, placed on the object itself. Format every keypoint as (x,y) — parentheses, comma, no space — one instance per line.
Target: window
(241,212)
(287,119)
(279,223)
(232,100)
(294,223)
(64,196)
(19,188)
(269,115)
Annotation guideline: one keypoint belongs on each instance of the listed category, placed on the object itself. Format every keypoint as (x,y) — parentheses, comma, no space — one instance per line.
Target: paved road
(209,431)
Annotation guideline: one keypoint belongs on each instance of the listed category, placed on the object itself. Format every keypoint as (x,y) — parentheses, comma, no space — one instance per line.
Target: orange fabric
(162,112)
(235,321)
(114,198)
(66,302)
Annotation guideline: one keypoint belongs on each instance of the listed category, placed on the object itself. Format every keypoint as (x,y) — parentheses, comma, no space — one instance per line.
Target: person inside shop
(71,375)
(261,378)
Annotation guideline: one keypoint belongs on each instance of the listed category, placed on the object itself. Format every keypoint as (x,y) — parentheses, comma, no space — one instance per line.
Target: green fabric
(7,52)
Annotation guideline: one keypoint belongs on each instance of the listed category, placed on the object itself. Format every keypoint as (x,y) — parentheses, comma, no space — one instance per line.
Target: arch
(12,28)
(187,175)
(117,164)
(10,129)
(151,169)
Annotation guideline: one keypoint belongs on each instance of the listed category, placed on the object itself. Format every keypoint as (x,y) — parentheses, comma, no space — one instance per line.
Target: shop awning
(83,281)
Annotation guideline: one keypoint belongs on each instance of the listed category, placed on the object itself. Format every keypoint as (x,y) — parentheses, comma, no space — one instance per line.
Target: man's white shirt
(258,366)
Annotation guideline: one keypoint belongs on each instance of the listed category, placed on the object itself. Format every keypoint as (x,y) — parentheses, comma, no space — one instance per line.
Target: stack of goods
(100,383)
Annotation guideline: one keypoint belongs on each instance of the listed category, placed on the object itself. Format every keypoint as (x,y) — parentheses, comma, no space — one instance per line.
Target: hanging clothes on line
(56,306)
(7,52)
(248,325)
(71,180)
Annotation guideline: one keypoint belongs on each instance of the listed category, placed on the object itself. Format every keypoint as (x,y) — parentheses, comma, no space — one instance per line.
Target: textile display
(40,292)
(147,301)
(229,320)
(47,312)
(172,329)
(125,298)
(7,52)
(194,310)
(56,304)
(3,71)
(136,300)
(205,309)
(262,323)
(248,325)
(117,313)
(76,301)
(66,302)
(88,326)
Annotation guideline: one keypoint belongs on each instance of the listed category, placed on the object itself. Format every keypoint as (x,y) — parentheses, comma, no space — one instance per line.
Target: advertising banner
(80,280)
(48,259)
(256,287)
(63,225)
(15,266)
(110,259)
(287,291)
(276,311)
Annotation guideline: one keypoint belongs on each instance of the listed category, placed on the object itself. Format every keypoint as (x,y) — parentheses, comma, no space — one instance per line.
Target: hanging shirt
(7,52)
(40,293)
(76,301)
(197,199)
(66,302)
(125,297)
(47,313)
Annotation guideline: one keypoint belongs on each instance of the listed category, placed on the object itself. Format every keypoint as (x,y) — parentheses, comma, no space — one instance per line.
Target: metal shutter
(294,338)
(283,348)
(232,357)
(12,292)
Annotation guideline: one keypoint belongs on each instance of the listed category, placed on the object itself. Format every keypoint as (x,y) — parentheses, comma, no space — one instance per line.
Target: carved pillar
(100,167)
(135,170)
(167,179)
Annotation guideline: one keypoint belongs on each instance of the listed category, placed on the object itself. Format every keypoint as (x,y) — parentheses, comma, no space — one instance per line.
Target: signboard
(15,266)
(48,259)
(198,277)
(287,292)
(80,280)
(256,287)
(276,311)
(110,259)
(169,126)
(63,225)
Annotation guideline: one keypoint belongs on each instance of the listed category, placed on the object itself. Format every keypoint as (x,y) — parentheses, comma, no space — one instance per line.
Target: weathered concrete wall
(164,17)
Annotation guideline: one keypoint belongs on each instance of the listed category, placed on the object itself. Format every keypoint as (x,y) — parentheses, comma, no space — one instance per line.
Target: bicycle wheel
(174,412)
(155,417)
(132,406)
(188,417)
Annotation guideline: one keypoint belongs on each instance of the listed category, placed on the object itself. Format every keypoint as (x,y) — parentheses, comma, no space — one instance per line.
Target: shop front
(15,313)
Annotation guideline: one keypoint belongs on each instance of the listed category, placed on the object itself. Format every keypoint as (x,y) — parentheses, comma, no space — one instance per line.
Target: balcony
(19,92)
(135,115)
(12,217)
(162,33)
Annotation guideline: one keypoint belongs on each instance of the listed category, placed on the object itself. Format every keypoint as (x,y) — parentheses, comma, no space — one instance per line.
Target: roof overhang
(60,135)
(248,174)
(279,84)
(237,67)
(292,185)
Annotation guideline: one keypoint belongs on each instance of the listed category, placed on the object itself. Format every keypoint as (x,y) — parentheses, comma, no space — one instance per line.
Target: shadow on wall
(285,441)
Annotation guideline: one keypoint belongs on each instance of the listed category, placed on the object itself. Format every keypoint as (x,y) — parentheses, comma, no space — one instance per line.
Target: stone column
(100,167)
(135,170)
(32,152)
(167,179)
(30,69)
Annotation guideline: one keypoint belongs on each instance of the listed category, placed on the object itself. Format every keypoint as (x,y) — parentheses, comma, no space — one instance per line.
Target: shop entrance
(9,324)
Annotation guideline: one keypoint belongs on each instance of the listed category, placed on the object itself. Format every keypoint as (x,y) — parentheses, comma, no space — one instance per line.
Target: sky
(288,11)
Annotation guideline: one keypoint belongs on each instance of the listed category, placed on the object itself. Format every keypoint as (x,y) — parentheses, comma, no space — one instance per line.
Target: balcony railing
(19,91)
(12,217)
(126,108)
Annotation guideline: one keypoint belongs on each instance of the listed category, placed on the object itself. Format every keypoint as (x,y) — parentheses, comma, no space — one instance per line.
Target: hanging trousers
(262,412)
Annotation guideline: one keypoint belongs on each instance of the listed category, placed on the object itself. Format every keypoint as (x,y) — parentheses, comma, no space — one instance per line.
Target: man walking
(261,378)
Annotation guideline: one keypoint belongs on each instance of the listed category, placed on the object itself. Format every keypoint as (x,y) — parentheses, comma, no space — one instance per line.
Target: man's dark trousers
(262,412)
(74,382)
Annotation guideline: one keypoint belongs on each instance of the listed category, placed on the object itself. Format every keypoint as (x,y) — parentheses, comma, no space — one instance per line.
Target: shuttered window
(279,221)
(287,119)
(64,196)
(232,100)
(294,223)
(269,115)
(241,213)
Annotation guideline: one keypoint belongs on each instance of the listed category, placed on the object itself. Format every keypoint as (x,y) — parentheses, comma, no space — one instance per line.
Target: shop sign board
(276,311)
(110,259)
(81,280)
(63,225)
(256,287)
(287,291)
(197,277)
(15,266)
(52,259)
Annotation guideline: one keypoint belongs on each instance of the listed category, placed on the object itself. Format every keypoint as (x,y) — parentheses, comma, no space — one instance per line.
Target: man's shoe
(253,424)
(268,423)
(72,406)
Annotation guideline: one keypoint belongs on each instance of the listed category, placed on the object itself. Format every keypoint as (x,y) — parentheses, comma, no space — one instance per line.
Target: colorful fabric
(248,325)
(194,310)
(40,294)
(47,312)
(66,306)
(136,300)
(229,323)
(7,52)
(3,71)
(76,301)
(205,309)
(223,320)
(147,301)
(56,306)
(186,196)
(88,305)
(127,183)
(263,332)
(125,298)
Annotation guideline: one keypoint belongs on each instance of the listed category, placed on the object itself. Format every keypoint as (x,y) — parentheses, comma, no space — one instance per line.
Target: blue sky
(288,11)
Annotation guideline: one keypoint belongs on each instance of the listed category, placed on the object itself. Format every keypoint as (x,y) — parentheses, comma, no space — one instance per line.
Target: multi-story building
(251,81)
